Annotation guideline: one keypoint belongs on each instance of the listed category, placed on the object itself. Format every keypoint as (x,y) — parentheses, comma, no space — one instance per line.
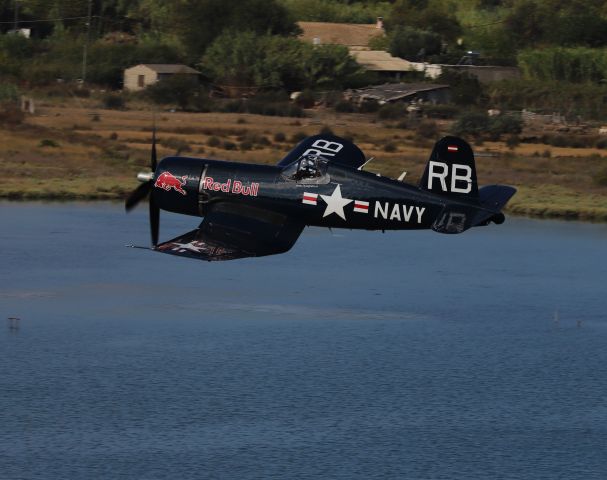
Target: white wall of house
(139,77)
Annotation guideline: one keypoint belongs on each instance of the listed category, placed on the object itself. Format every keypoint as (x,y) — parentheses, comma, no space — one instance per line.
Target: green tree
(249,59)
(413,44)
(433,15)
(198,22)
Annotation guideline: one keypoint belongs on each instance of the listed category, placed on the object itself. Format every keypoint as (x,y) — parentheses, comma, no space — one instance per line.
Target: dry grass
(99,159)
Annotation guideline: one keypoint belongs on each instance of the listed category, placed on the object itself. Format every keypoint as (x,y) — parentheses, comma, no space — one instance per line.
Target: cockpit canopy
(308,168)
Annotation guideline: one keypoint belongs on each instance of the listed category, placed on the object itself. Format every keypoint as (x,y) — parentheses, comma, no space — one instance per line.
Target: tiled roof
(349,34)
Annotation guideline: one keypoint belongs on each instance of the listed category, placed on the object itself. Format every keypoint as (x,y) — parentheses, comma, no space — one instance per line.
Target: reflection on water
(359,355)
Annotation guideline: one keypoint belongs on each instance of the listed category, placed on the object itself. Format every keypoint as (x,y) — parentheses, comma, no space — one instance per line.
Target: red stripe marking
(308,197)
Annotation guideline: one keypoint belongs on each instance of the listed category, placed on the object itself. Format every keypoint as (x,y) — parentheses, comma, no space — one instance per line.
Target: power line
(52,19)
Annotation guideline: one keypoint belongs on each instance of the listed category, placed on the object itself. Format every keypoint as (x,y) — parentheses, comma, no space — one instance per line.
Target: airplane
(252,210)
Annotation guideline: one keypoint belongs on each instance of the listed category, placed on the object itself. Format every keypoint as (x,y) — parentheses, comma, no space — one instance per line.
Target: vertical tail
(450,170)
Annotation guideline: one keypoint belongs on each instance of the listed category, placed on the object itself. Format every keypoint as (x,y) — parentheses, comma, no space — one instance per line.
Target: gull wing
(334,149)
(230,231)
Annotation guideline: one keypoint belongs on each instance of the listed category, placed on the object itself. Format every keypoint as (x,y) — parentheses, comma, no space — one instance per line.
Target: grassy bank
(83,152)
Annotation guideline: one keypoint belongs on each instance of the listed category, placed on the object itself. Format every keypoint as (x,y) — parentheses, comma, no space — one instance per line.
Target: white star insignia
(335,203)
(191,246)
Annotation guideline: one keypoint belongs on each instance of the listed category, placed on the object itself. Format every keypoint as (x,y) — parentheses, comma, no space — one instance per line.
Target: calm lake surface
(356,355)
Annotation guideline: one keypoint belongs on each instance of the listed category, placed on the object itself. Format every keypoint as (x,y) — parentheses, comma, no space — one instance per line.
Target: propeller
(143,190)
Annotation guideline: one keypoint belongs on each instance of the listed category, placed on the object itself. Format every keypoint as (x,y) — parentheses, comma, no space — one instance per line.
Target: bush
(390,147)
(279,137)
(178,144)
(46,142)
(513,141)
(246,145)
(414,44)
(326,130)
(180,90)
(391,111)
(114,102)
(213,141)
(228,145)
(504,124)
(306,99)
(11,115)
(601,178)
(443,111)
(343,106)
(369,106)
(8,92)
(602,143)
(471,123)
(427,129)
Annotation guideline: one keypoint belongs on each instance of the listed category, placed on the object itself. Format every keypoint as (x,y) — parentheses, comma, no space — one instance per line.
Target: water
(356,355)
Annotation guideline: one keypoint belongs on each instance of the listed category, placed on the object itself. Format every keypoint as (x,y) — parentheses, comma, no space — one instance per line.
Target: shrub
(390,111)
(390,147)
(513,141)
(471,123)
(11,114)
(602,143)
(228,145)
(8,92)
(246,145)
(305,99)
(369,106)
(114,102)
(279,137)
(343,106)
(444,111)
(326,130)
(113,136)
(601,178)
(178,144)
(46,142)
(503,124)
(181,90)
(427,129)
(213,141)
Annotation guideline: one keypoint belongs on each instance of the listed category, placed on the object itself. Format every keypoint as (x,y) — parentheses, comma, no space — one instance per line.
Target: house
(401,92)
(352,35)
(381,62)
(146,74)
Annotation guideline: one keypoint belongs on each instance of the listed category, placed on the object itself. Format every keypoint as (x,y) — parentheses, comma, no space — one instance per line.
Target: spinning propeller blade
(145,189)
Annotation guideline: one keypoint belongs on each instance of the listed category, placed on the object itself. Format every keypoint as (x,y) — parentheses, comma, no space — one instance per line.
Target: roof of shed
(394,91)
(168,68)
(349,34)
(380,61)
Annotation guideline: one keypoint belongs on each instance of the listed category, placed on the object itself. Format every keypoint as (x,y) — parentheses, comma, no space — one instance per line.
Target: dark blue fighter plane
(255,210)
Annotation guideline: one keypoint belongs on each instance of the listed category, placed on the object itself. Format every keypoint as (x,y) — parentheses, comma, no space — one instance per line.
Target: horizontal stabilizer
(495,197)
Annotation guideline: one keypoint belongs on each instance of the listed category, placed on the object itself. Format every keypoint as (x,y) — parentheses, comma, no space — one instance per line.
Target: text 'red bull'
(230,186)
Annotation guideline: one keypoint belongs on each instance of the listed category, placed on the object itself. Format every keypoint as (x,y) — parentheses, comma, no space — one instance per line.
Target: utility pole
(15,26)
(86,41)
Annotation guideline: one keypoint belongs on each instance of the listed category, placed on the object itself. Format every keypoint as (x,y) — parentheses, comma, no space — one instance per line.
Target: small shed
(402,92)
(146,74)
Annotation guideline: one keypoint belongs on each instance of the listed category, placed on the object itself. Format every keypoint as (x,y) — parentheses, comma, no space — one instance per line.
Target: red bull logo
(168,181)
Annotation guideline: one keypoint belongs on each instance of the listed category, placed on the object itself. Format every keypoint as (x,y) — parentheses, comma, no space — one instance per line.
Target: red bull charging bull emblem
(168,181)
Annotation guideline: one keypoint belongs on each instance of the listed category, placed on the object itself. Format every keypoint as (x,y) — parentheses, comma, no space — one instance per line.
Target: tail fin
(450,170)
